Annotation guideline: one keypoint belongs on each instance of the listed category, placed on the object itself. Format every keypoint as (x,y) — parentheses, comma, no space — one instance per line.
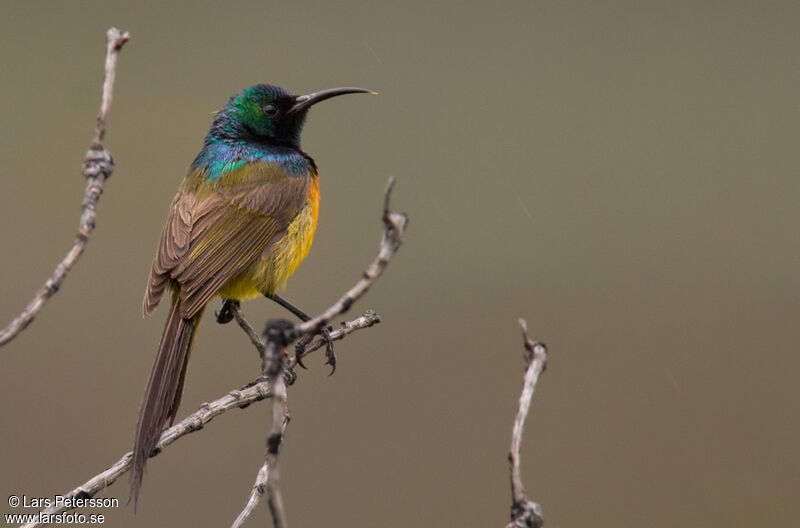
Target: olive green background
(621,174)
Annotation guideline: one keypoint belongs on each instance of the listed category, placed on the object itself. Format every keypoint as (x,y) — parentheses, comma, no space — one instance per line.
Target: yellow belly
(270,273)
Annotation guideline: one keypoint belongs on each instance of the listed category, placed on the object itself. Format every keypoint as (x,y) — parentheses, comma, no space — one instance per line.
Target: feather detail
(215,230)
(162,396)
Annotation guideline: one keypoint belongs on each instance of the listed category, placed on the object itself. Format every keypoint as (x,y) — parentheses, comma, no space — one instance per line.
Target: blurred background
(623,176)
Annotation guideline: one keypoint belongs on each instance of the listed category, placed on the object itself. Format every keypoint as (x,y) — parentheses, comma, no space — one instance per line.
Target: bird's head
(269,114)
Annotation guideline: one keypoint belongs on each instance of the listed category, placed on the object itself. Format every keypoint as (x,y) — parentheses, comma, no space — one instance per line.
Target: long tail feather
(164,389)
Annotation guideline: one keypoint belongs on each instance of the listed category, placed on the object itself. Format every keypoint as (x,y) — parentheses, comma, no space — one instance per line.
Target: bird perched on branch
(242,221)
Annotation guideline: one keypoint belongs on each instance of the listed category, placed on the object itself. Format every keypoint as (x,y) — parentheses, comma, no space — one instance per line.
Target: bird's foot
(225,314)
(301,345)
(289,375)
(330,355)
(300,348)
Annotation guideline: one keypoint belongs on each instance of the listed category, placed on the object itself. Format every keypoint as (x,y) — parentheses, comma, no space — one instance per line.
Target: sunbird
(241,222)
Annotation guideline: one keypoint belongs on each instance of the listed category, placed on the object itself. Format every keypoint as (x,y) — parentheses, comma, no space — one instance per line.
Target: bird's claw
(289,375)
(329,353)
(300,348)
(225,314)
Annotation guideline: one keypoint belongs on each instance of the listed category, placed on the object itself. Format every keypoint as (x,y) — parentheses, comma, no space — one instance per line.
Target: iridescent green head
(269,114)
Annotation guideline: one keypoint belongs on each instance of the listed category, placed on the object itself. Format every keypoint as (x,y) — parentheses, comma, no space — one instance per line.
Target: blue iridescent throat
(219,157)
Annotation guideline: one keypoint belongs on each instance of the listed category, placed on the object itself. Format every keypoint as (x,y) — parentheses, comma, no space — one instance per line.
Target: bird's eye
(271,110)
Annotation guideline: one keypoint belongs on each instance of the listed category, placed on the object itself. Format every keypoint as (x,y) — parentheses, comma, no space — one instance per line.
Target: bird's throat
(218,158)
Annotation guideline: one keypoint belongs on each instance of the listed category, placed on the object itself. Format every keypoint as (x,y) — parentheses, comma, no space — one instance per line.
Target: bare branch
(236,310)
(114,42)
(394,225)
(276,344)
(97,168)
(194,422)
(525,512)
(268,475)
(257,492)
(280,417)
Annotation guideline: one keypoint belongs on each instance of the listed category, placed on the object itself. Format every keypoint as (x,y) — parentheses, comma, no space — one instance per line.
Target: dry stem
(267,478)
(97,168)
(525,512)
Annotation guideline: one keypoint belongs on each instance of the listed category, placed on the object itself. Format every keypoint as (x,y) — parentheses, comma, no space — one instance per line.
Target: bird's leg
(225,314)
(301,345)
(289,306)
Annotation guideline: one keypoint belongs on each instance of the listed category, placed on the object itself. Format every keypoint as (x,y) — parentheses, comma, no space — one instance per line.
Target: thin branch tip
(396,221)
(532,348)
(525,512)
(117,38)
(387,194)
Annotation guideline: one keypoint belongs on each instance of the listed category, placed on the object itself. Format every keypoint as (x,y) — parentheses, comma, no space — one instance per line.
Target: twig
(280,417)
(236,310)
(194,422)
(276,345)
(97,168)
(525,512)
(268,475)
(256,493)
(394,225)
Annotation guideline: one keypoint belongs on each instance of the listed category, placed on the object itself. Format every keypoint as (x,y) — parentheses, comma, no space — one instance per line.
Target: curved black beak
(304,101)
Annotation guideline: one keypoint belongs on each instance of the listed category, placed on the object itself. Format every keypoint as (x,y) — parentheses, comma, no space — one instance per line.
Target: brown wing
(214,232)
